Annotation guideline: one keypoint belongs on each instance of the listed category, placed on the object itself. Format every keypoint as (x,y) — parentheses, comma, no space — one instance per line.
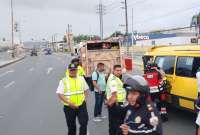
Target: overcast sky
(42,18)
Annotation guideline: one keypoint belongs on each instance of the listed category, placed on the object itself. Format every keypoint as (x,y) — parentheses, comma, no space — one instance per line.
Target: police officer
(142,118)
(197,105)
(81,71)
(116,96)
(160,96)
(72,91)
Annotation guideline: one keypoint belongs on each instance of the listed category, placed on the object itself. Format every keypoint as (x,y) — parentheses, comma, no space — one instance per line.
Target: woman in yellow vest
(72,91)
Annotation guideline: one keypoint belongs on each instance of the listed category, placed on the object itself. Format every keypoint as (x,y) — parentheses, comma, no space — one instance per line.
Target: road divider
(8,62)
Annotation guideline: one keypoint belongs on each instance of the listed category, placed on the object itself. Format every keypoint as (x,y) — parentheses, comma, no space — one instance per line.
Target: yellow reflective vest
(73,90)
(115,82)
(81,71)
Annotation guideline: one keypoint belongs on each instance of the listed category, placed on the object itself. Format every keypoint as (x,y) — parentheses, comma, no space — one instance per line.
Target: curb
(12,61)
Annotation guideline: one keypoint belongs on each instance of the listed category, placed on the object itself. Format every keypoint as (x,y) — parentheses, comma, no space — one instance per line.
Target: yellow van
(180,64)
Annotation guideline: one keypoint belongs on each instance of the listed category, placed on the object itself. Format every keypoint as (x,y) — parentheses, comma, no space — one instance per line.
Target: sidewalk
(4,63)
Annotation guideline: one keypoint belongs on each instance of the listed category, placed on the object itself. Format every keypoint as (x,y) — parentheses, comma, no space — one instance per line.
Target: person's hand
(73,106)
(100,92)
(154,121)
(125,129)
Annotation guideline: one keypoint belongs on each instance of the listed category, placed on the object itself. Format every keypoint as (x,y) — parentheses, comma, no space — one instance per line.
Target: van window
(166,63)
(187,66)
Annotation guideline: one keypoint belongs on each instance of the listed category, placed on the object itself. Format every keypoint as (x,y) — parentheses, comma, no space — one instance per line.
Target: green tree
(82,37)
(116,34)
(65,38)
(195,20)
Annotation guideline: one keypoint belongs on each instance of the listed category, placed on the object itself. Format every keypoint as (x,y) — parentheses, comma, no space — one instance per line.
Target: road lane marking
(1,116)
(7,72)
(49,70)
(10,84)
(31,69)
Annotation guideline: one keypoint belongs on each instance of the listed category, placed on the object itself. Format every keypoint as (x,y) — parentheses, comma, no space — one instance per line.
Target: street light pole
(126,16)
(12,25)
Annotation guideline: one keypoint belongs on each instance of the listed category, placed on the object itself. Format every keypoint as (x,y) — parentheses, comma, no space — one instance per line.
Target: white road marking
(7,72)
(49,70)
(1,116)
(31,69)
(10,84)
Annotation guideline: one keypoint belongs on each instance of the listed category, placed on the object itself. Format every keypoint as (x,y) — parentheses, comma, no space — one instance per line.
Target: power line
(119,6)
(111,4)
(168,14)
(137,2)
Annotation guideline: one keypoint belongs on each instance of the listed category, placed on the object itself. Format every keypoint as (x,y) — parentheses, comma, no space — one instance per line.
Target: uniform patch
(138,119)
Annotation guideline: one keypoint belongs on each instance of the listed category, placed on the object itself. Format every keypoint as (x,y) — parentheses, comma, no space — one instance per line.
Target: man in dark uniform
(142,118)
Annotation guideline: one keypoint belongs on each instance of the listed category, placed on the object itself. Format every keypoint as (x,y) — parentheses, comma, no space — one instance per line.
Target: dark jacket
(139,120)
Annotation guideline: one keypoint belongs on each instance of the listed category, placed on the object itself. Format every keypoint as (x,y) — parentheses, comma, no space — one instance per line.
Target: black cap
(72,66)
(75,60)
(136,83)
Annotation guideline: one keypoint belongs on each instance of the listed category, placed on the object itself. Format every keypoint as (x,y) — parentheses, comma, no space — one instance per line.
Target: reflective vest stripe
(73,93)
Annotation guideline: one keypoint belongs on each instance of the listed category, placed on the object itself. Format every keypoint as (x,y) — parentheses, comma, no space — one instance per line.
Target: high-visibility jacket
(81,71)
(73,90)
(114,81)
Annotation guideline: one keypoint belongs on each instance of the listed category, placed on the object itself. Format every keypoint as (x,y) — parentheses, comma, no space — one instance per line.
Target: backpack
(89,81)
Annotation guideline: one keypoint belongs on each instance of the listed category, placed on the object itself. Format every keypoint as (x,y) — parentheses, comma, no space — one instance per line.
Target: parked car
(34,52)
(48,51)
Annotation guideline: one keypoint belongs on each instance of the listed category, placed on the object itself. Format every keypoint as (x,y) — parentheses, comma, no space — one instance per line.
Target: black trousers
(71,114)
(116,115)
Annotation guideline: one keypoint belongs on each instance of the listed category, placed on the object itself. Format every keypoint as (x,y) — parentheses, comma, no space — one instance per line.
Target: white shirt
(198,119)
(111,86)
(198,80)
(60,89)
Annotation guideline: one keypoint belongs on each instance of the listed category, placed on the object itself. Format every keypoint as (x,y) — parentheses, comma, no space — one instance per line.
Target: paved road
(29,105)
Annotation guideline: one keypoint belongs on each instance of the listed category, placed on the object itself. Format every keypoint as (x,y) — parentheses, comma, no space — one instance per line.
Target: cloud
(81,6)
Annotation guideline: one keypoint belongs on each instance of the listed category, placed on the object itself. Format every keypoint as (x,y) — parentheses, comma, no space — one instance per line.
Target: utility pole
(126,24)
(126,17)
(17,29)
(68,37)
(132,28)
(12,29)
(101,12)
